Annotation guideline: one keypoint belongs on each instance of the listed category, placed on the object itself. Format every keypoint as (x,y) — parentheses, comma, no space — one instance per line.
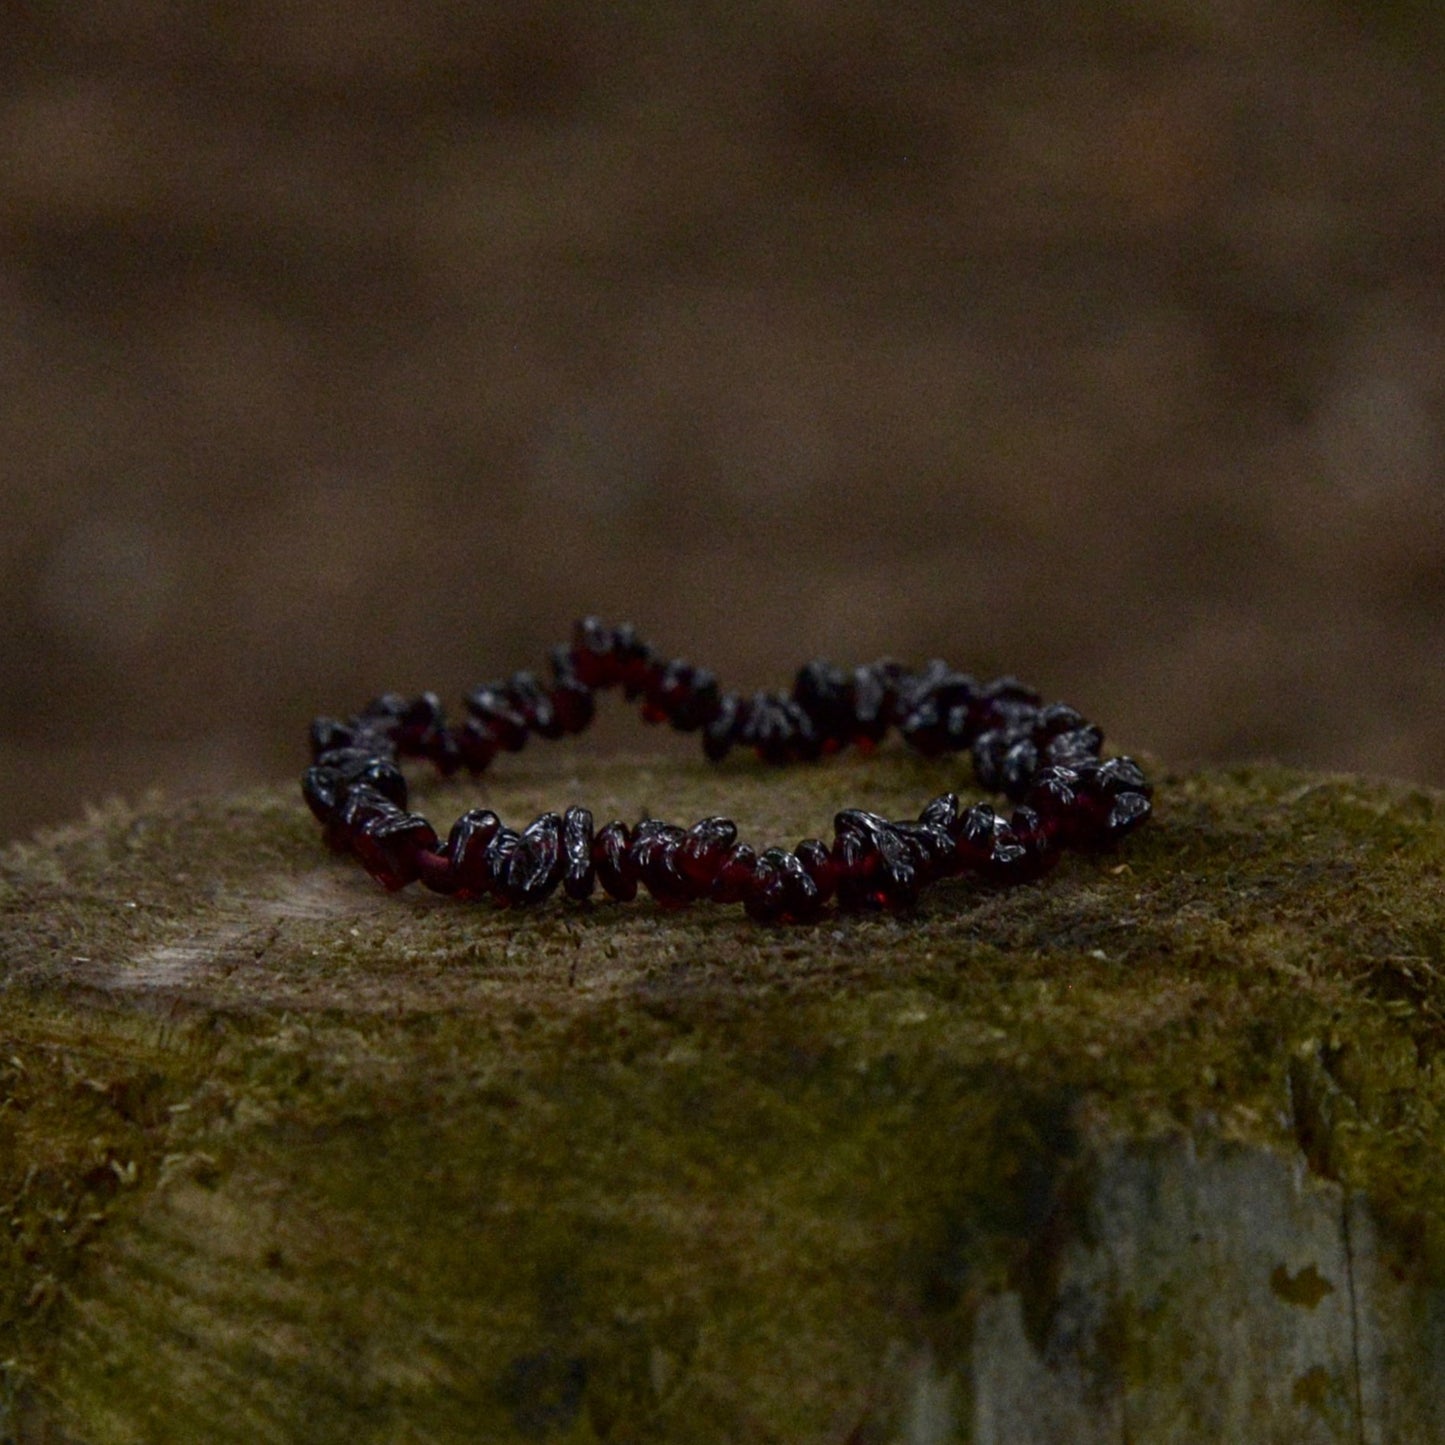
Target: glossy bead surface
(734,875)
(703,849)
(581,872)
(802,898)
(816,859)
(467,848)
(610,855)
(724,727)
(1046,758)
(477,745)
(497,862)
(766,899)
(941,812)
(875,868)
(652,857)
(537,863)
(498,716)
(389,844)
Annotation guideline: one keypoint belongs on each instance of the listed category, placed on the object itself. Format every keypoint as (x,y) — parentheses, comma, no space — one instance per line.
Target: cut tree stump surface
(1147,1151)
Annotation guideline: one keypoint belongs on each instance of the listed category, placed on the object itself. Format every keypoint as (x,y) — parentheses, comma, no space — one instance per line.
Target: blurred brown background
(351,346)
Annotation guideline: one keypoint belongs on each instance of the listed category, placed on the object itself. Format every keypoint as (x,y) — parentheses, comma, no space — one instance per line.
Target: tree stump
(1149,1150)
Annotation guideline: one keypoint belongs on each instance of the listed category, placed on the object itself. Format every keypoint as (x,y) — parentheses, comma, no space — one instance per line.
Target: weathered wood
(1147,1151)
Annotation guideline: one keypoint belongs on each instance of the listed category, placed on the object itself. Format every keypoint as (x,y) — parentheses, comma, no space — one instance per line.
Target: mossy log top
(285,1157)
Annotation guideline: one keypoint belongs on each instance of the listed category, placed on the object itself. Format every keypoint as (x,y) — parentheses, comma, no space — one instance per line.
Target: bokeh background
(346,346)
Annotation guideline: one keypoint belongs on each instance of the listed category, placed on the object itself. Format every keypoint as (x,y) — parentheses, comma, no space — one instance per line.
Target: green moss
(85,1110)
(415,1170)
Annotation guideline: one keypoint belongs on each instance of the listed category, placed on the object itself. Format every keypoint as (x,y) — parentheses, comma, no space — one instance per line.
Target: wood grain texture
(1146,1151)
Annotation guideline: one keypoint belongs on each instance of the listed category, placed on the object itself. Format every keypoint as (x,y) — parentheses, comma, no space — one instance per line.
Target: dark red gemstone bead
(942,812)
(766,899)
(759,720)
(869,717)
(421,717)
(320,787)
(734,875)
(477,745)
(1068,749)
(772,728)
(577,842)
(802,899)
(372,736)
(1056,718)
(1008,858)
(537,863)
(573,705)
(871,702)
(388,846)
(1052,795)
(494,709)
(467,848)
(363,807)
(952,689)
(806,744)
(635,660)
(897,884)
(930,849)
(444,754)
(817,861)
(560,660)
(386,706)
(329,734)
(1101,787)
(696,707)
(360,806)
(703,849)
(821,690)
(853,862)
(912,687)
(925,729)
(1020,763)
(668,685)
(974,839)
(1011,693)
(352,767)
(988,752)
(534,704)
(1127,812)
(610,850)
(653,858)
(497,860)
(636,674)
(421,732)
(1119,775)
(724,728)
(877,870)
(1037,840)
(592,657)
(958,728)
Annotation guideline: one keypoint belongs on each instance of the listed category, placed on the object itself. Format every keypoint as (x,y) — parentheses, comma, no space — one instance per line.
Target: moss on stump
(1148,1150)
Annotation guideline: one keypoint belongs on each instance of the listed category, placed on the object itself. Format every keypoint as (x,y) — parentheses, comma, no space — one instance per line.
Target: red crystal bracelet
(1043,758)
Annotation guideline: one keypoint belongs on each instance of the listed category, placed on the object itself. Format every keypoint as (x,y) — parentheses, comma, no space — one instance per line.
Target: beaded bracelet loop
(1046,759)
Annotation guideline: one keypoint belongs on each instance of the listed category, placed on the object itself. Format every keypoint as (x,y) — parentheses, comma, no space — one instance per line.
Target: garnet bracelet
(1044,758)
